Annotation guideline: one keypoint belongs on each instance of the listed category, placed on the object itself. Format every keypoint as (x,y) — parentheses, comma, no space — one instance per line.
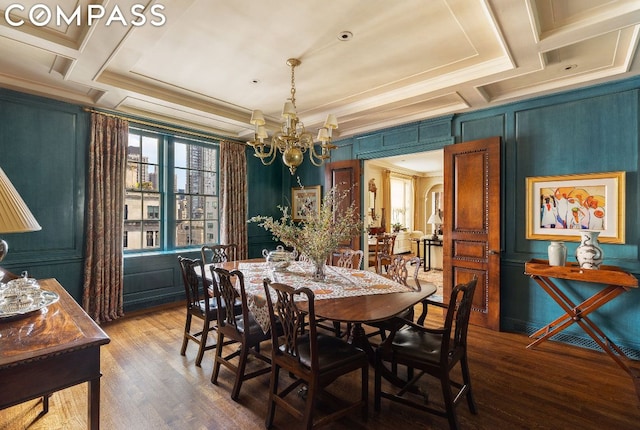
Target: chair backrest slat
(226,293)
(348,258)
(219,253)
(458,314)
(400,268)
(294,321)
(194,286)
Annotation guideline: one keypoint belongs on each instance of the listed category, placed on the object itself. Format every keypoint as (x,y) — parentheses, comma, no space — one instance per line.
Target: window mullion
(169,214)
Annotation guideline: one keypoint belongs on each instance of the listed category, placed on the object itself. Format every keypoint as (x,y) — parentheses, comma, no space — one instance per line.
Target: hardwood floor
(147,384)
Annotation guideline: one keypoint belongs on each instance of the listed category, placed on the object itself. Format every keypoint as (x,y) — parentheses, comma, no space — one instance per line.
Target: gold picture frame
(305,201)
(558,207)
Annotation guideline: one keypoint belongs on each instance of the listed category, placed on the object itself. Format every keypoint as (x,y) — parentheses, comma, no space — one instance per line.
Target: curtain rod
(160,126)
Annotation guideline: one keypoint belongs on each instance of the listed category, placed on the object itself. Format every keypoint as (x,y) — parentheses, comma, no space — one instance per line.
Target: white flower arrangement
(321,231)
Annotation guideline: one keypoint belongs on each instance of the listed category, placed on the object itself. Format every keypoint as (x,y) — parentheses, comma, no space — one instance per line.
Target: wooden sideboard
(49,350)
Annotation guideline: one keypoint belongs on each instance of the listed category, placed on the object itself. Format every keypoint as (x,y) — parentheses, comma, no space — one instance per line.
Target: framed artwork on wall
(305,201)
(559,207)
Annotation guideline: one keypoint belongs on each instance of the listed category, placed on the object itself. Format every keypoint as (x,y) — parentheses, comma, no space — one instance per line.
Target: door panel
(472,224)
(346,176)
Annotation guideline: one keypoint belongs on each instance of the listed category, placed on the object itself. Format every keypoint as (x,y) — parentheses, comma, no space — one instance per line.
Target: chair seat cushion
(213,305)
(254,331)
(417,345)
(333,352)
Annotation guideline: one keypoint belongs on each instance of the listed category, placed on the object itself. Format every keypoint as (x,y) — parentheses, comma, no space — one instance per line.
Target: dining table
(345,295)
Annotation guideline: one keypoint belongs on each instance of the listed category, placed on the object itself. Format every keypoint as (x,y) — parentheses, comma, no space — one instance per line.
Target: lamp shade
(262,132)
(331,121)
(257,118)
(323,135)
(288,110)
(15,216)
(434,219)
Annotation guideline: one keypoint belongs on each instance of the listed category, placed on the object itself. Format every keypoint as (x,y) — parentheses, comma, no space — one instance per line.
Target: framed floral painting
(305,201)
(558,207)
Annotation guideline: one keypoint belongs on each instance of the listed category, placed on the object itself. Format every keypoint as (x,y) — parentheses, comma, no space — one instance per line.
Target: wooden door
(472,224)
(347,177)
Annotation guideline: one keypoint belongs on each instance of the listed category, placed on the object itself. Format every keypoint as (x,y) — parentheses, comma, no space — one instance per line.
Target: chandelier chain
(293,85)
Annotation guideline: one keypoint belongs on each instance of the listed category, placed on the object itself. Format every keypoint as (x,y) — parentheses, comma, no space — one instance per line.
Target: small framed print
(304,202)
(558,207)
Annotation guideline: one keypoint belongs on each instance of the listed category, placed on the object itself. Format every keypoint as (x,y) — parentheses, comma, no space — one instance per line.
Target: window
(153,212)
(171,196)
(402,202)
(196,194)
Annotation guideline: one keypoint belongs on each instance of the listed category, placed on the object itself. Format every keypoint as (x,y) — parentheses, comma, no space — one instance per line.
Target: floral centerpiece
(321,231)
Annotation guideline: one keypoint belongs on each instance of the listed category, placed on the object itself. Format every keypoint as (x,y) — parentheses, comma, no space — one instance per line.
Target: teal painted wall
(42,151)
(582,132)
(43,146)
(586,131)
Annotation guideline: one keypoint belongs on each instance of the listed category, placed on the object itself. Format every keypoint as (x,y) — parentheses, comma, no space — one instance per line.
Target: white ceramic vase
(557,253)
(588,253)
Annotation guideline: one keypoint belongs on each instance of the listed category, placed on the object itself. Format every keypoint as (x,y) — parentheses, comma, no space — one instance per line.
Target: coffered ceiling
(211,62)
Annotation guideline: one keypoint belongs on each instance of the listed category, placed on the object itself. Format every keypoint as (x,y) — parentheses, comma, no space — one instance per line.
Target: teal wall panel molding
(43,145)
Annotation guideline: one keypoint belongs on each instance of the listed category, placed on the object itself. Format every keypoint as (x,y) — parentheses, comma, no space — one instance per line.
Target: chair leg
(310,405)
(216,362)
(45,404)
(466,379)
(448,401)
(242,364)
(203,342)
(185,338)
(336,328)
(273,391)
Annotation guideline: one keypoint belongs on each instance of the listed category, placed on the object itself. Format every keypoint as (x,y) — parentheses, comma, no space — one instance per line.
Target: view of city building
(194,195)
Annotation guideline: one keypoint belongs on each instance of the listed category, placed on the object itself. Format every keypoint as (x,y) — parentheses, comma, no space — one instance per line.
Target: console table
(49,350)
(427,243)
(612,280)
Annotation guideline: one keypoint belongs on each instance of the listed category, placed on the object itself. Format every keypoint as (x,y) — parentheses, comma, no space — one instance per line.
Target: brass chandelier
(292,140)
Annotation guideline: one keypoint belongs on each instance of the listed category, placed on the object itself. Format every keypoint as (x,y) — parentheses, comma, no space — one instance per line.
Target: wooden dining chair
(199,305)
(383,250)
(313,359)
(400,269)
(350,259)
(239,326)
(219,253)
(431,351)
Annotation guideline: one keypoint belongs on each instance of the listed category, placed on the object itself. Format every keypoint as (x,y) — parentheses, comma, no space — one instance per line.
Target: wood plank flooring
(147,384)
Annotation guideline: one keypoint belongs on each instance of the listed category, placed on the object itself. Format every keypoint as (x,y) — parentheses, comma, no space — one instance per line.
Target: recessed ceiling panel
(26,65)
(604,55)
(242,60)
(62,21)
(555,14)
